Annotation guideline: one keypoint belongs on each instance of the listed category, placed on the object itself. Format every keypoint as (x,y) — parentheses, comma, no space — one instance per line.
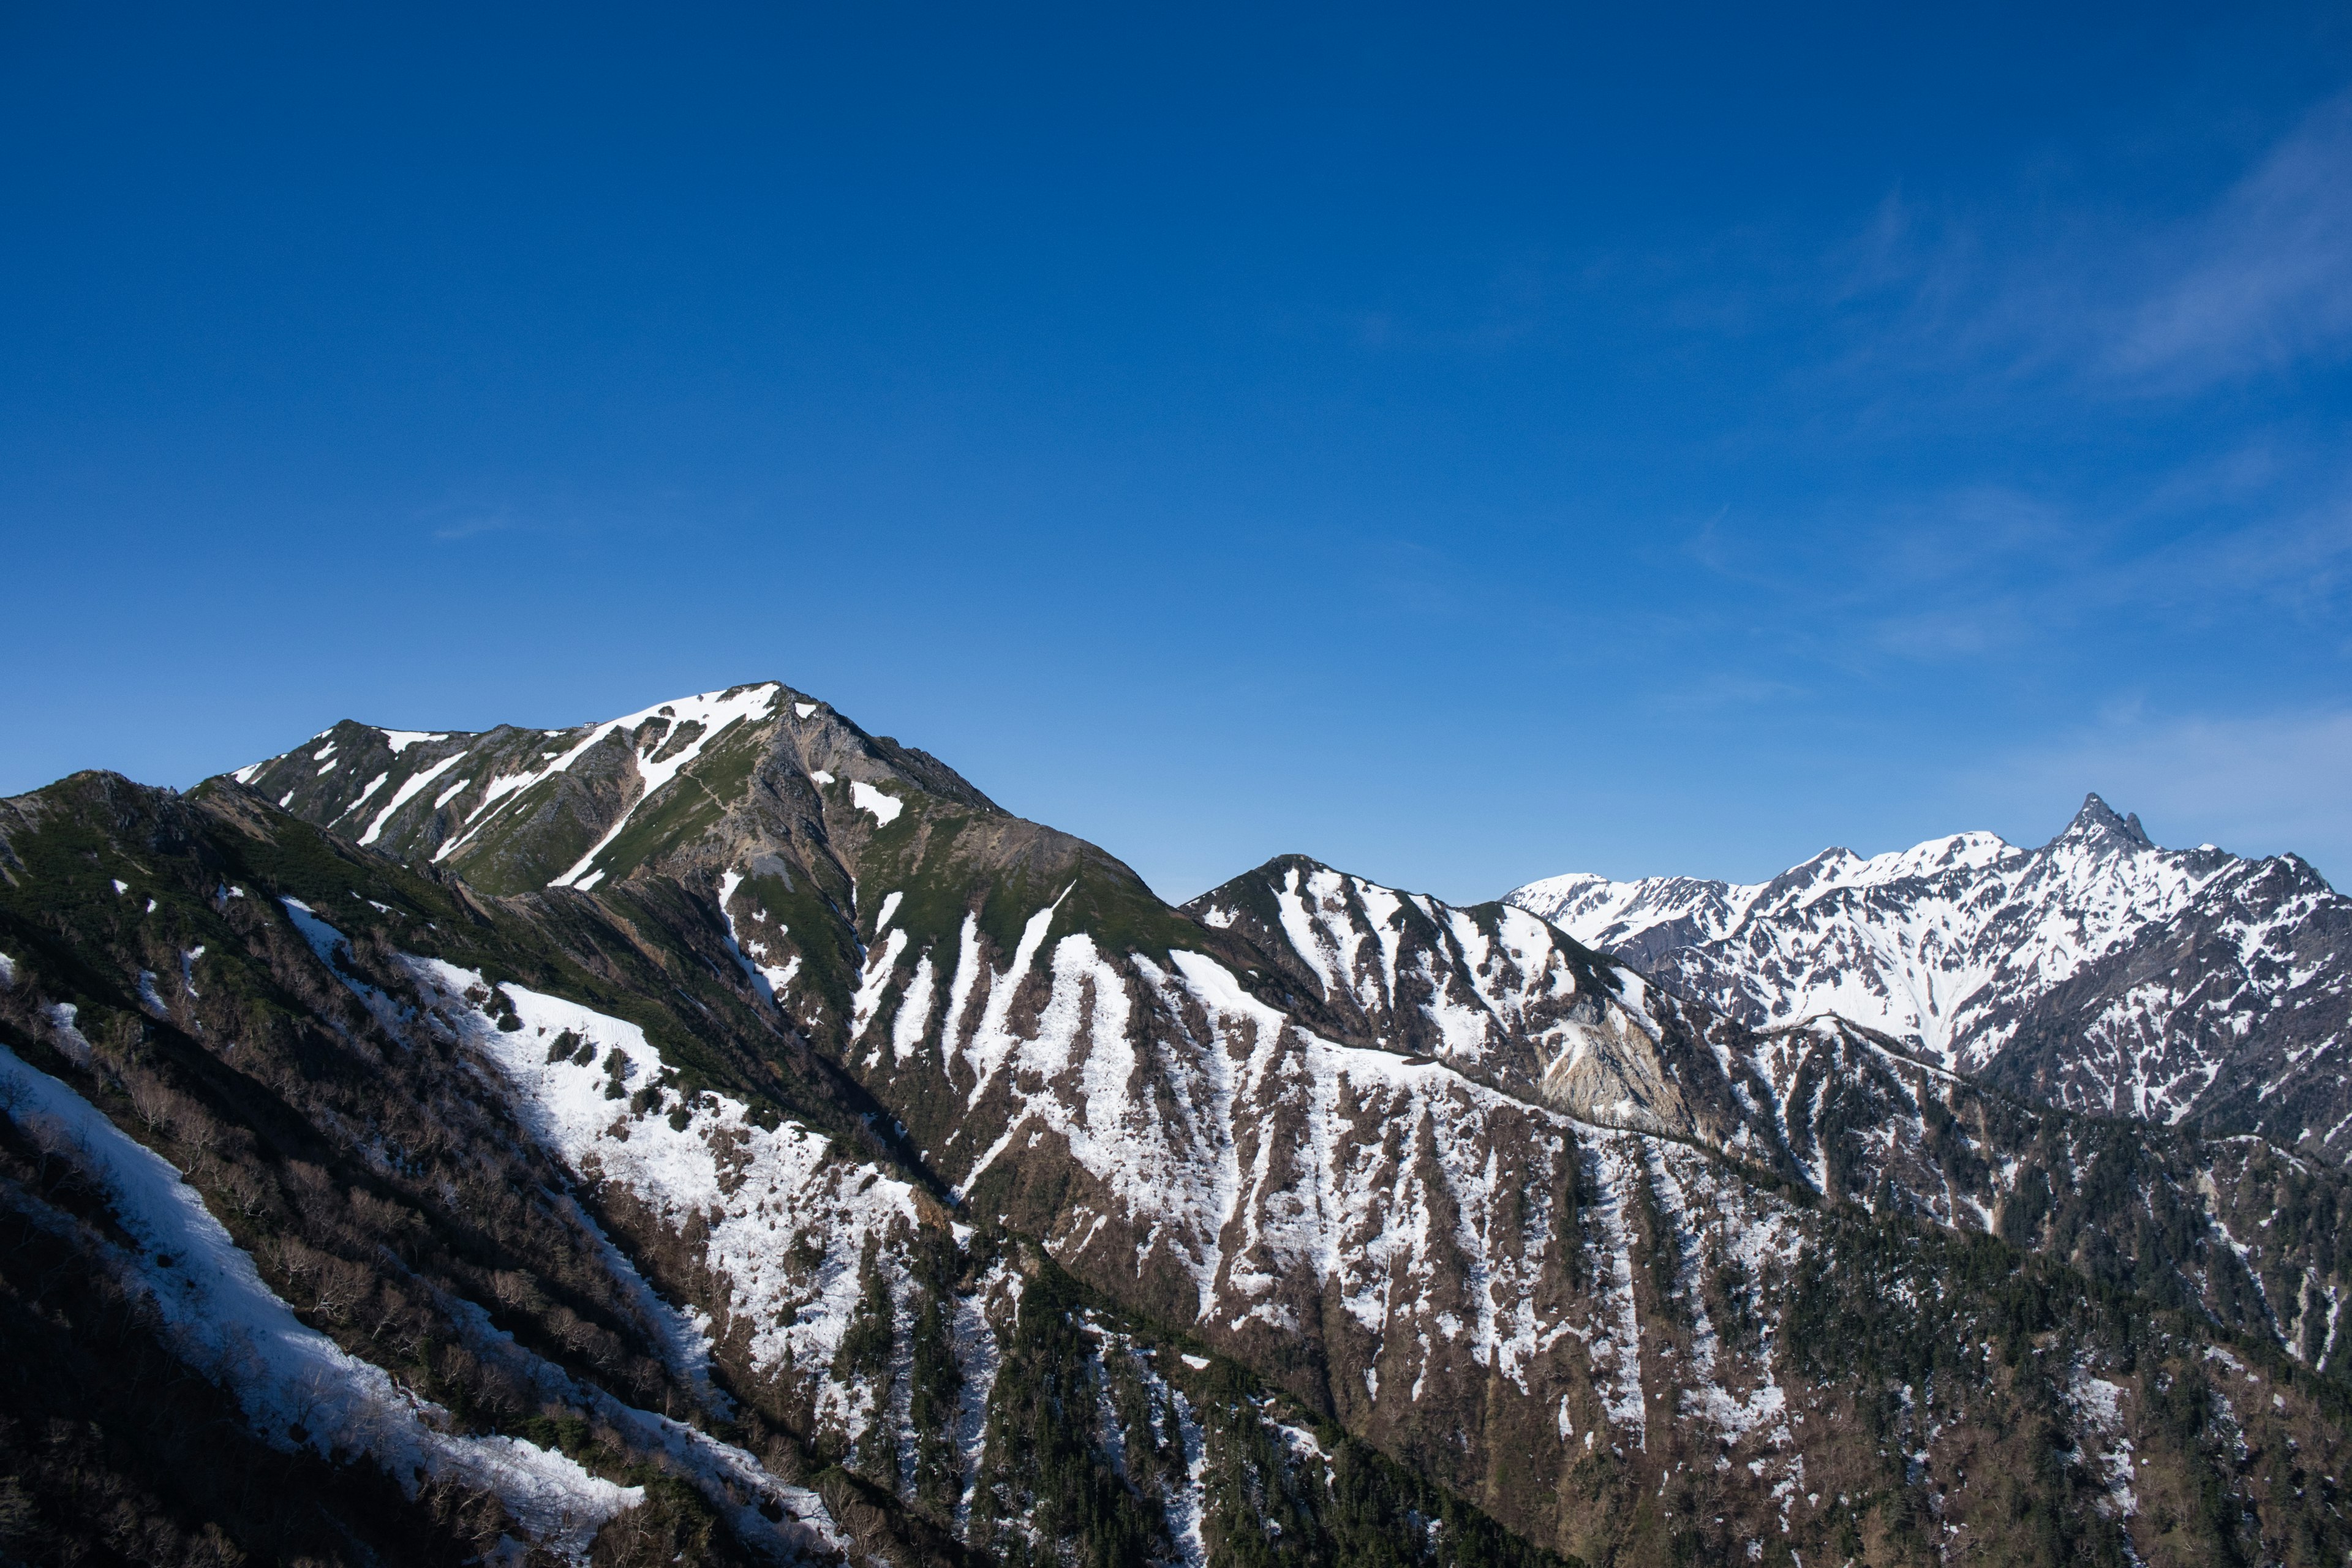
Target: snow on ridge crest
(1950,946)
(715,712)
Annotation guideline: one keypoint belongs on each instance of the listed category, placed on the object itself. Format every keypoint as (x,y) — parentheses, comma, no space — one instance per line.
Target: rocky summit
(721,1135)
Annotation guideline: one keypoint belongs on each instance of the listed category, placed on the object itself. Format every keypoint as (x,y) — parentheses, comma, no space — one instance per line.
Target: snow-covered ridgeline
(716,713)
(1585,906)
(1395,954)
(1928,943)
(297,1386)
(2109,974)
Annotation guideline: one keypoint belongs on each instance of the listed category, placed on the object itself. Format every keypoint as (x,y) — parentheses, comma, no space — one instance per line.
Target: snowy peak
(521,809)
(2100,972)
(1955,852)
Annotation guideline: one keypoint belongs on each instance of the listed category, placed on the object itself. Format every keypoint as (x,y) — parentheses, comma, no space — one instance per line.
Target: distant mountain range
(719,1134)
(2098,971)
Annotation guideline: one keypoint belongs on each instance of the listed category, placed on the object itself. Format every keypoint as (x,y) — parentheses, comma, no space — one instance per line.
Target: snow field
(883,808)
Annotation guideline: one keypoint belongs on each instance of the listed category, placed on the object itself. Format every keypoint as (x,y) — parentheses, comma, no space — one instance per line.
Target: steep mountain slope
(1833,1108)
(404,1182)
(916,1186)
(2097,973)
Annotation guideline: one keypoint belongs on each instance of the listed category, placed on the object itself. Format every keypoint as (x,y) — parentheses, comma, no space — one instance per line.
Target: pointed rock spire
(2099,820)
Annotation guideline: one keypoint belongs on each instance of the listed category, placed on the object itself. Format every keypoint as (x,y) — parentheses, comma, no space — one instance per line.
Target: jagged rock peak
(2098,821)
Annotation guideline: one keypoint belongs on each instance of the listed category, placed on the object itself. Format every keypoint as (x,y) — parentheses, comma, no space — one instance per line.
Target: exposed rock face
(2098,972)
(959,1198)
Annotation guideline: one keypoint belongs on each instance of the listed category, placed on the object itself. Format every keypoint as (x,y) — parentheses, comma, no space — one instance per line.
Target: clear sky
(1464,444)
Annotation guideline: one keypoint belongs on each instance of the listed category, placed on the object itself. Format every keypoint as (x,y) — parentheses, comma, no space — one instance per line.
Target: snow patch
(717,712)
(408,791)
(865,798)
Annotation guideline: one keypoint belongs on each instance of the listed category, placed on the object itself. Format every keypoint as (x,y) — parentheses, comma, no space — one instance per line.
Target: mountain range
(2098,971)
(720,1134)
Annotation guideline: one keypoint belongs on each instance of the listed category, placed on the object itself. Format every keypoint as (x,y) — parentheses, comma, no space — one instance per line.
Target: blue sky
(1462,444)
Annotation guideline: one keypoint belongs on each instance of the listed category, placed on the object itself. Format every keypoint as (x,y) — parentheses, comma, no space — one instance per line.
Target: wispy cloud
(563,513)
(1996,571)
(474,527)
(2257,785)
(2263,279)
(2297,560)
(2254,281)
(452,520)
(1720,690)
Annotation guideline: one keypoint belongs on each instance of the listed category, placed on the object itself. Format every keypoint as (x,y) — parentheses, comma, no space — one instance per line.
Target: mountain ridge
(858,1127)
(2098,970)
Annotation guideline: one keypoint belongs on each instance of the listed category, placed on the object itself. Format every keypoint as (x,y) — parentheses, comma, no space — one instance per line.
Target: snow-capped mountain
(515,810)
(721,1135)
(2097,971)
